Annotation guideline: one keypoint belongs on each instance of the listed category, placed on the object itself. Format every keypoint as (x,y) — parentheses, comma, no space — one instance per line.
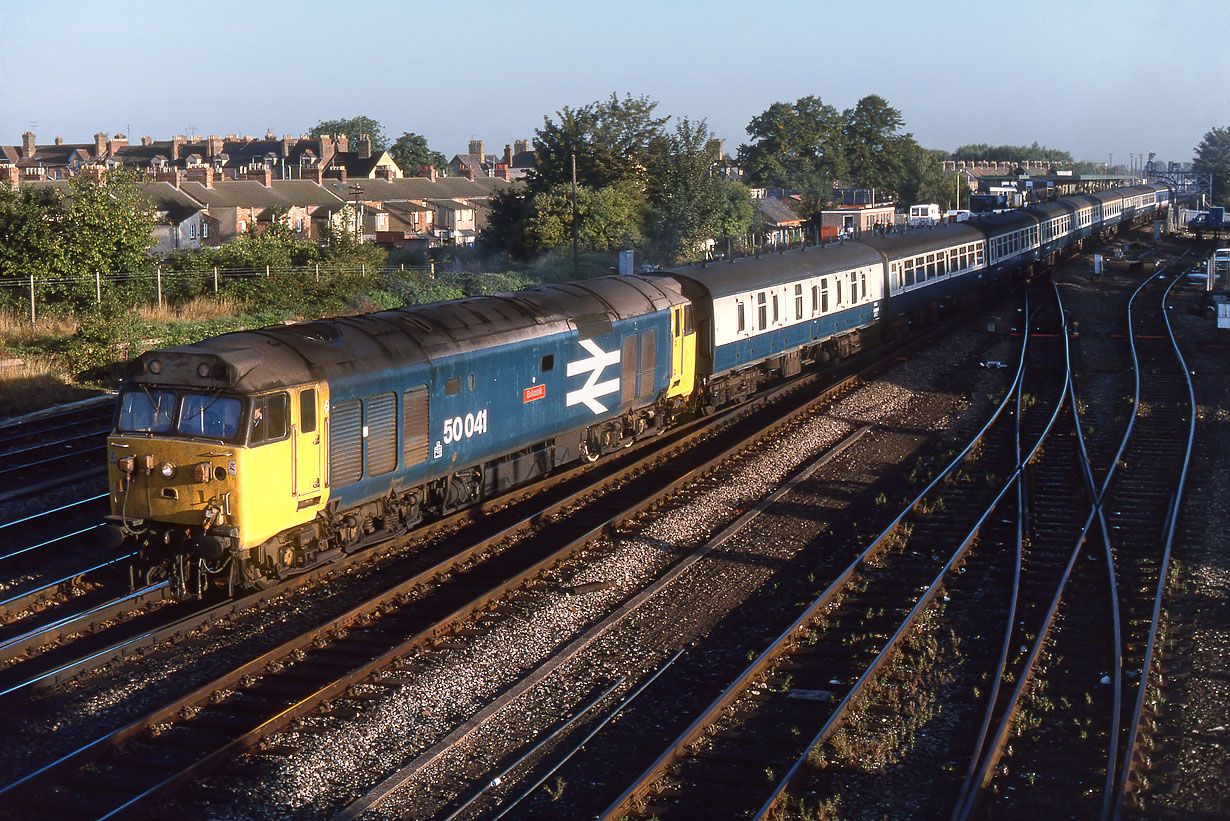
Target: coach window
(824,296)
(762,312)
(837,290)
(930,266)
(853,288)
(777,317)
(862,284)
(941,263)
(741,319)
(798,301)
(909,272)
(268,419)
(815,300)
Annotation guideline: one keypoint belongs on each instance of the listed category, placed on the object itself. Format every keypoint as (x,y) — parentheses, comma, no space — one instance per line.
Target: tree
(797,146)
(106,227)
(27,235)
(353,128)
(610,140)
(689,206)
(922,178)
(411,152)
(875,154)
(608,219)
(1213,157)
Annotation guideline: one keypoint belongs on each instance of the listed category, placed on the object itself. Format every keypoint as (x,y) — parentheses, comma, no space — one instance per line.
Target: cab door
(683,351)
(307,443)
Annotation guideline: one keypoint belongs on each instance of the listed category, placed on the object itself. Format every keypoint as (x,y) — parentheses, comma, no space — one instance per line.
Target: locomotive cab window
(267,422)
(146,411)
(687,320)
(307,410)
(216,417)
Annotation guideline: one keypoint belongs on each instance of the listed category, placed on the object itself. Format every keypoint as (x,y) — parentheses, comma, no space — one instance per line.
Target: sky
(1097,78)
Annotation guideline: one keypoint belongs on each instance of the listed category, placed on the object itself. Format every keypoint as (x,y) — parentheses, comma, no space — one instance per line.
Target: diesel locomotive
(252,456)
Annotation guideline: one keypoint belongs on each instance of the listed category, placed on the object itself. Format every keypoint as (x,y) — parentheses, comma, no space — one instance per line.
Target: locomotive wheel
(587,453)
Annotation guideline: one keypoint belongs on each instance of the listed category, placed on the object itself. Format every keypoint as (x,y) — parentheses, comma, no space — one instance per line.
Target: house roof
(237,194)
(169,200)
(776,212)
(307,192)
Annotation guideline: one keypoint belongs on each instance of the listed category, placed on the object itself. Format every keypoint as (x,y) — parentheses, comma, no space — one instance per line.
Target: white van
(925,215)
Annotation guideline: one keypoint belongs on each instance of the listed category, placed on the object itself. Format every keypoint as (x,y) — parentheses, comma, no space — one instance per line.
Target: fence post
(215,280)
(363,269)
(318,272)
(266,272)
(158,270)
(431,263)
(31,300)
(98,287)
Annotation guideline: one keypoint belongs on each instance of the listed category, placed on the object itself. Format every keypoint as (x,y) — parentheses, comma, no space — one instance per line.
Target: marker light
(167,470)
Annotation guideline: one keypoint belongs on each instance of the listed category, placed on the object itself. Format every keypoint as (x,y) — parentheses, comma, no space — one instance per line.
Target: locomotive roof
(743,274)
(282,355)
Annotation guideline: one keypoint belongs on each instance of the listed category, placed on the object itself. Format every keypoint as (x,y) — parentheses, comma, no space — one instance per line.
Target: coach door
(308,450)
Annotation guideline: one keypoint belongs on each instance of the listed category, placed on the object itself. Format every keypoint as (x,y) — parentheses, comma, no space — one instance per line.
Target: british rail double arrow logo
(595,364)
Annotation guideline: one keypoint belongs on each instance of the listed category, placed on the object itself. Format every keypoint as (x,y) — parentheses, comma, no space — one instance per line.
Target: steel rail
(644,782)
(40,514)
(1015,480)
(24,600)
(1120,785)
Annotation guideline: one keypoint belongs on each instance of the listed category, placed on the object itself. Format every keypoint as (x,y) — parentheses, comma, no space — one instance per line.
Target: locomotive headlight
(204,371)
(167,470)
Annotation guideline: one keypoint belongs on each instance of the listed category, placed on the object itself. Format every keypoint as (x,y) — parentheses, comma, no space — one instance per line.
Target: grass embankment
(66,358)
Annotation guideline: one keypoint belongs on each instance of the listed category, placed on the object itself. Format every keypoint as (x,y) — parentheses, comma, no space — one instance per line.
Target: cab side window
(268,422)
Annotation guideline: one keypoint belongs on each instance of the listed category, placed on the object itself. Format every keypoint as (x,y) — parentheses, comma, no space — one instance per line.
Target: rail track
(256,698)
(46,450)
(742,752)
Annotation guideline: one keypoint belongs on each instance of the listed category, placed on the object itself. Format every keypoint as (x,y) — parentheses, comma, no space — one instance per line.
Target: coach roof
(745,274)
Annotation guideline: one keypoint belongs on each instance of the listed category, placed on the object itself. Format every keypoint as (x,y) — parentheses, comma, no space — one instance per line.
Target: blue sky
(1094,77)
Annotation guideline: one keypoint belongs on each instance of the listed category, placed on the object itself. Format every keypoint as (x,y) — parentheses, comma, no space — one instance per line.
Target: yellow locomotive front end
(209,484)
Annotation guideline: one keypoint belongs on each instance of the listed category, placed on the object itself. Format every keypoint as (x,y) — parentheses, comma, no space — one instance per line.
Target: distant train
(255,455)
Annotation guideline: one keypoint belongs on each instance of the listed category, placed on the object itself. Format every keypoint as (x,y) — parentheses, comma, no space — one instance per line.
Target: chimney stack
(215,146)
(27,144)
(288,144)
(118,142)
(478,148)
(343,143)
(428,171)
(508,155)
(100,144)
(520,146)
(204,174)
(59,141)
(147,141)
(365,146)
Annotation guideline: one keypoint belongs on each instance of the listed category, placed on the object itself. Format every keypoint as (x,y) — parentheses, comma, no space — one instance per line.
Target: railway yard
(835,601)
